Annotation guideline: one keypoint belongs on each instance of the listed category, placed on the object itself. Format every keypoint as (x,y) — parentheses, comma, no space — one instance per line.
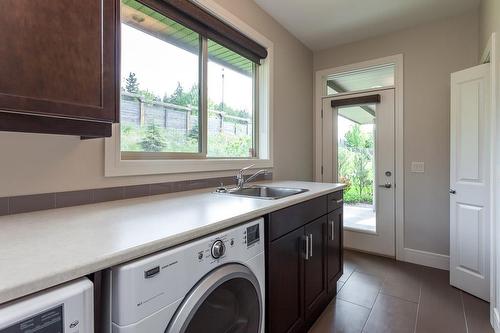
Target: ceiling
(321,24)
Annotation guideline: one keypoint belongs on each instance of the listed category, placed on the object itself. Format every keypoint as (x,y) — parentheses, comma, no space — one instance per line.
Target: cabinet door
(285,283)
(315,267)
(334,253)
(57,58)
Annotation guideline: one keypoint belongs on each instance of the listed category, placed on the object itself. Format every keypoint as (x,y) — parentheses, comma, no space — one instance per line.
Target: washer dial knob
(218,249)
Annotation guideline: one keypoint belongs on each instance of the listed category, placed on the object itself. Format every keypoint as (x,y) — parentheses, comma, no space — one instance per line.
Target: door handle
(452,191)
(310,245)
(386,185)
(332,234)
(306,254)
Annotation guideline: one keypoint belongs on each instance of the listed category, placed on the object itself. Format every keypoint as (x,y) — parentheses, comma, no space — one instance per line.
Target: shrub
(153,139)
(355,166)
(227,145)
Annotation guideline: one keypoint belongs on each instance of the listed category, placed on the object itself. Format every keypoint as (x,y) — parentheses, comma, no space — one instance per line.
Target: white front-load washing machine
(211,285)
(67,308)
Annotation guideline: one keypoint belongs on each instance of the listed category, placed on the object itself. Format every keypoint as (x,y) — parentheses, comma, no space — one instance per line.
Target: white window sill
(156,167)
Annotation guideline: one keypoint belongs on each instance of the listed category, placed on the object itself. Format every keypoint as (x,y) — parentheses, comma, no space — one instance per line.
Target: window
(356,147)
(183,94)
(367,78)
(230,103)
(159,107)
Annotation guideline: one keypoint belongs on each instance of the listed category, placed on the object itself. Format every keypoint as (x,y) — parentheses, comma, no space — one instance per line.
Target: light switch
(418,167)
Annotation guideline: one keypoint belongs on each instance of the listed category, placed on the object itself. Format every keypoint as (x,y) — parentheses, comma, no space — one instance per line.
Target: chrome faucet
(240,178)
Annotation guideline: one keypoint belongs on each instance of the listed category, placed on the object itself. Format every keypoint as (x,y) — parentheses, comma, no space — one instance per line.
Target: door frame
(491,54)
(320,92)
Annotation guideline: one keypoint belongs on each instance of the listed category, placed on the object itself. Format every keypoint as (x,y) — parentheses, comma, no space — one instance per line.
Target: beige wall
(32,163)
(292,92)
(431,52)
(489,21)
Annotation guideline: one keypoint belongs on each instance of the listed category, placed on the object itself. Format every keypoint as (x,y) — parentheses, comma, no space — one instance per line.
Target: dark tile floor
(377,294)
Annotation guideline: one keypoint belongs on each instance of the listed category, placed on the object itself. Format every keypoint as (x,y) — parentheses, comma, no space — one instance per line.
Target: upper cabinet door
(57,58)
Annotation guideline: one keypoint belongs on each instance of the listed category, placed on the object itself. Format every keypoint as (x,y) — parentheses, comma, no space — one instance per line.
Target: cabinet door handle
(310,245)
(306,253)
(340,201)
(332,224)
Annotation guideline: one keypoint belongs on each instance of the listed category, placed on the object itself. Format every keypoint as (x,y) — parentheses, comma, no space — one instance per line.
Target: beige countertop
(42,249)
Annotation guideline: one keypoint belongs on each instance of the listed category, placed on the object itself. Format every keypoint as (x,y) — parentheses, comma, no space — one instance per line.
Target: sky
(159,66)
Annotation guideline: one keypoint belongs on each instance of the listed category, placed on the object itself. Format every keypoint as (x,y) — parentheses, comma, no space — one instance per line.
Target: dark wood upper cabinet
(58,59)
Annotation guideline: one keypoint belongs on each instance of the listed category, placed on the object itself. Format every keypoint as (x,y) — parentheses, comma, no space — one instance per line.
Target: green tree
(228,110)
(360,148)
(194,133)
(131,83)
(183,98)
(153,139)
(149,96)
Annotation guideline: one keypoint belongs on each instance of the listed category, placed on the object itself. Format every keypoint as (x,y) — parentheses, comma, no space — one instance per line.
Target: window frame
(174,162)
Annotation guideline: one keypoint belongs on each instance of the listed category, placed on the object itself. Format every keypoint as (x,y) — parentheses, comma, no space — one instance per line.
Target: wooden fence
(133,110)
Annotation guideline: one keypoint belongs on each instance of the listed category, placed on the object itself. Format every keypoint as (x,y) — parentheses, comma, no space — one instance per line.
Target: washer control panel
(231,243)
(218,249)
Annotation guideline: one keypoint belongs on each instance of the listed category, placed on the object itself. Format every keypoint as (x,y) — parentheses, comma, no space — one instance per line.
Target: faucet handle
(239,176)
(246,168)
(240,172)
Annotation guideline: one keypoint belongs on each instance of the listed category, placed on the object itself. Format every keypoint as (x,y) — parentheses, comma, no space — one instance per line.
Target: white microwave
(67,308)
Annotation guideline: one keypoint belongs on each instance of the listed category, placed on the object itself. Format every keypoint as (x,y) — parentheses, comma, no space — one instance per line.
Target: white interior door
(470,181)
(359,150)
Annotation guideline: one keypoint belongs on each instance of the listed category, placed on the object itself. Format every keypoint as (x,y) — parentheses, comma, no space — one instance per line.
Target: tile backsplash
(34,202)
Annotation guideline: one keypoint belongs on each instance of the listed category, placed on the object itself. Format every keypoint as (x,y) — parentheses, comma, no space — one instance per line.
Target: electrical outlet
(418,167)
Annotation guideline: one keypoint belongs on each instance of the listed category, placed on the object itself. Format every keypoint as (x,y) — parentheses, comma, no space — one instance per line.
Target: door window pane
(356,165)
(159,109)
(230,103)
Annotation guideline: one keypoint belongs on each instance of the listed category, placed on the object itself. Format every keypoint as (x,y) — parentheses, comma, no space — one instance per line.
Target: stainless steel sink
(266,192)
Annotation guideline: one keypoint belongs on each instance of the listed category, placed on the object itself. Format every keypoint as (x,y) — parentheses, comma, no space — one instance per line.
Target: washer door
(228,299)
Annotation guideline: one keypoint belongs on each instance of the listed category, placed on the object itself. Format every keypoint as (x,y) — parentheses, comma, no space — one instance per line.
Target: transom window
(183,95)
(363,79)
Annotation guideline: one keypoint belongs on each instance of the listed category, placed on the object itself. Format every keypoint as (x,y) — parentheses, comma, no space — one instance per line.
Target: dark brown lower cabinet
(286,268)
(303,265)
(334,248)
(315,269)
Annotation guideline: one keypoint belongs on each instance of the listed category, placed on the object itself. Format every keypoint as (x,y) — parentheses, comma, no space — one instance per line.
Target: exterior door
(359,151)
(470,181)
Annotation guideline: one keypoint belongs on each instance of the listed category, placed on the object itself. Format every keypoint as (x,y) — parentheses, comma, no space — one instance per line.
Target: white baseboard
(495,320)
(425,258)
